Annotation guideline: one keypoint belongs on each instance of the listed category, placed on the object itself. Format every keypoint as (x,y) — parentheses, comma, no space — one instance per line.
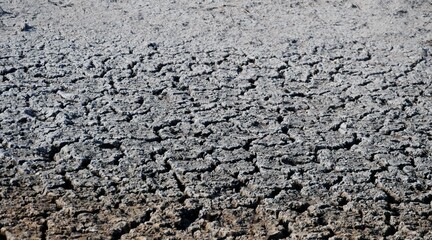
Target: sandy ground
(215,119)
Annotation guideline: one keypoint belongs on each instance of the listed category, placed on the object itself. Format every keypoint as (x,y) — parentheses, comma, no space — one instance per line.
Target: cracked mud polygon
(215,119)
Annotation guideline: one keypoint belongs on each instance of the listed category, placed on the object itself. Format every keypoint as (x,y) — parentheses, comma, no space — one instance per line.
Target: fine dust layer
(215,119)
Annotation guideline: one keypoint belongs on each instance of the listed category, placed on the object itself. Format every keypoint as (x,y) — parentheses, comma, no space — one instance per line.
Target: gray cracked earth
(215,119)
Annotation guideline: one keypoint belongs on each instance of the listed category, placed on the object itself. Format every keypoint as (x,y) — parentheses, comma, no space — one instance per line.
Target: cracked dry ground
(329,140)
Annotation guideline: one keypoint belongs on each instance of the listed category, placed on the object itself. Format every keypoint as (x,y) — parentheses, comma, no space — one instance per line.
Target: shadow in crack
(188,216)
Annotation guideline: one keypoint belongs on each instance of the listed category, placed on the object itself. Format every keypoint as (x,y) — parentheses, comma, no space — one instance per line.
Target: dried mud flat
(215,119)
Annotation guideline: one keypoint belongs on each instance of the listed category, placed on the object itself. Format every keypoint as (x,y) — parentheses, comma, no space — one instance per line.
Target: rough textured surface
(215,119)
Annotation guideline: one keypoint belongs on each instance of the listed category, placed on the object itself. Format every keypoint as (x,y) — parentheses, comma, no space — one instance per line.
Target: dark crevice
(301,207)
(279,119)
(176,79)
(365,58)
(203,135)
(247,145)
(206,123)
(239,69)
(315,153)
(44,229)
(209,151)
(84,163)
(8,71)
(139,100)
(67,183)
(297,94)
(342,201)
(188,216)
(180,184)
(413,65)
(118,233)
(100,192)
(158,68)
(158,138)
(109,145)
(427,199)
(60,4)
(296,186)
(250,61)
(116,159)
(311,63)
(183,198)
(390,231)
(128,117)
(334,107)
(274,192)
(372,177)
(238,187)
(391,199)
(330,234)
(256,203)
(211,217)
(247,88)
(174,122)
(284,129)
(336,127)
(338,180)
(22,120)
(256,169)
(251,158)
(157,92)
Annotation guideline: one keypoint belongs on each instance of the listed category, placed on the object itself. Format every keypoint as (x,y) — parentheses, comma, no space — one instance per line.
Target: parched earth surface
(215,119)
